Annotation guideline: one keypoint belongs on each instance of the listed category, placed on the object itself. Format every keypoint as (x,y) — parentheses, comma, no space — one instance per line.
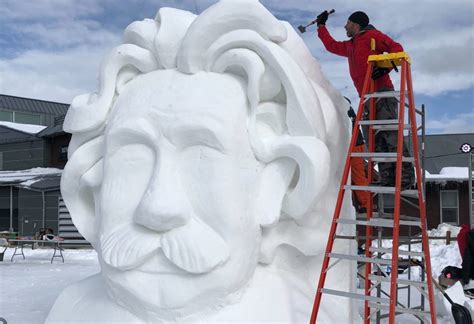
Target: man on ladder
(366,40)
(385,112)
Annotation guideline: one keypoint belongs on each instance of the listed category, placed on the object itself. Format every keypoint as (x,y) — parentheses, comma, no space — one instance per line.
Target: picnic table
(20,243)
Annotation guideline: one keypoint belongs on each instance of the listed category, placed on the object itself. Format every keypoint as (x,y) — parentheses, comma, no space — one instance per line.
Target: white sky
(51,49)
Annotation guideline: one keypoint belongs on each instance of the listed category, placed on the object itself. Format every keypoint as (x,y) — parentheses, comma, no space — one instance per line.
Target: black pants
(386,141)
(468,259)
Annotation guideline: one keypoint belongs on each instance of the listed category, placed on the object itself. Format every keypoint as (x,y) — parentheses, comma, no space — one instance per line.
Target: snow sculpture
(204,172)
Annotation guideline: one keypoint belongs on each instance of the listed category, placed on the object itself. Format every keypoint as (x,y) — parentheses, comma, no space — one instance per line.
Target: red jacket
(462,238)
(357,50)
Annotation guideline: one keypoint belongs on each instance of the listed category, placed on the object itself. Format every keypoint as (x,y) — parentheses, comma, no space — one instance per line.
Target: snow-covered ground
(29,287)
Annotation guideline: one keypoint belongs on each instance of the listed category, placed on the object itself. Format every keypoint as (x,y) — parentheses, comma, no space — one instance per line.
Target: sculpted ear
(80,183)
(296,174)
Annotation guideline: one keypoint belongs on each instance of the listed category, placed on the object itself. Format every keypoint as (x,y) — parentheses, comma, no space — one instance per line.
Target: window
(63,153)
(449,207)
(6,116)
(24,118)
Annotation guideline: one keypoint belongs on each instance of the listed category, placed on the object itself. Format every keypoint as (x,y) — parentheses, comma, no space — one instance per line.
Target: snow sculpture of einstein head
(212,141)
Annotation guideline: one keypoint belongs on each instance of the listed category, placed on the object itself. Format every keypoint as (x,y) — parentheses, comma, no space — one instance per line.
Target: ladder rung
(390,216)
(377,189)
(400,252)
(412,193)
(383,94)
(390,127)
(383,124)
(377,222)
(399,281)
(379,122)
(380,189)
(381,157)
(353,295)
(401,310)
(360,258)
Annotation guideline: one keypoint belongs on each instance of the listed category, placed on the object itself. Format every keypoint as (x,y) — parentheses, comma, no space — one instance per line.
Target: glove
(377,72)
(322,18)
(351,113)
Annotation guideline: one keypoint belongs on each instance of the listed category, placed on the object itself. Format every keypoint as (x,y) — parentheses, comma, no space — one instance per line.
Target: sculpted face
(208,156)
(177,227)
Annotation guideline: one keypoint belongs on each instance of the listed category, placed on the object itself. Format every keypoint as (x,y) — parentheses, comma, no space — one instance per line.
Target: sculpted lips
(194,247)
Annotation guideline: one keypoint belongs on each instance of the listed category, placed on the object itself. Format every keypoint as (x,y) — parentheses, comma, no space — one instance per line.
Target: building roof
(12,135)
(55,129)
(32,105)
(448,174)
(40,179)
(24,128)
(444,150)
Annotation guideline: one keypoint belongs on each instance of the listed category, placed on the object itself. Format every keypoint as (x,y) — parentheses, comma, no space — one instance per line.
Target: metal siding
(21,146)
(7,134)
(22,165)
(66,228)
(5,208)
(24,155)
(32,105)
(444,151)
(30,212)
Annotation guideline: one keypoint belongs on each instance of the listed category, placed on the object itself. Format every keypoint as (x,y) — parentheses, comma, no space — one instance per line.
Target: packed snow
(27,176)
(25,128)
(31,286)
(449,173)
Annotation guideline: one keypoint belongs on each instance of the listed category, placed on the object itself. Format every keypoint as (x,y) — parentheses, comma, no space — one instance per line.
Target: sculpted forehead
(170,94)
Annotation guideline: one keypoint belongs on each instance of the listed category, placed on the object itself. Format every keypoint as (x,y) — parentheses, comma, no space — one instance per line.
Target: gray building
(31,160)
(449,196)
(30,111)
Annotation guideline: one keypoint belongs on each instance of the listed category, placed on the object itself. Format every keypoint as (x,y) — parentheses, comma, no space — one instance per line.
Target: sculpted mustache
(194,247)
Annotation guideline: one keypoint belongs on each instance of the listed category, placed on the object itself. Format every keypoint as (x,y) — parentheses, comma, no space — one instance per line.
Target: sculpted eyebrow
(187,134)
(144,132)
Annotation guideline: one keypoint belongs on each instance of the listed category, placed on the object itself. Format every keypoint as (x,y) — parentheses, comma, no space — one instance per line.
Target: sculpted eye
(201,137)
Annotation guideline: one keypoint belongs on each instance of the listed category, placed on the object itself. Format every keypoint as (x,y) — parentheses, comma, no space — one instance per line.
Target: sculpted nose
(164,205)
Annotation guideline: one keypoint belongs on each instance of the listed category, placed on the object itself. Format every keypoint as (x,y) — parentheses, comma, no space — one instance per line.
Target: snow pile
(27,177)
(25,128)
(449,173)
(444,254)
(441,256)
(442,231)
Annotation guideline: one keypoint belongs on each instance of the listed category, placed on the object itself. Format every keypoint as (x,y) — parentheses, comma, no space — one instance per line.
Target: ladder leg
(337,210)
(398,184)
(369,229)
(421,197)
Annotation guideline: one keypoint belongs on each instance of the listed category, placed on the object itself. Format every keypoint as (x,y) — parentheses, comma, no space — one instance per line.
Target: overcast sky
(51,49)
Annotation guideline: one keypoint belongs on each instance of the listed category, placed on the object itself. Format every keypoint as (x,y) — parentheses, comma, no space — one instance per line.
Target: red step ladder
(372,254)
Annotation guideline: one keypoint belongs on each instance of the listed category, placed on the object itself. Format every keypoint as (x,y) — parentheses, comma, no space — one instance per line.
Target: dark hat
(359,17)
